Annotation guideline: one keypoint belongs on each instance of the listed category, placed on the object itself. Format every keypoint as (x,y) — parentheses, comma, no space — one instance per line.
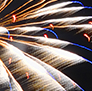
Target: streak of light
(27,29)
(10,86)
(81,27)
(52,55)
(4,79)
(69,20)
(53,42)
(88,60)
(38,72)
(31,12)
(52,7)
(82,46)
(87,37)
(57,11)
(5,5)
(82,4)
(16,10)
(68,57)
(2,4)
(51,32)
(3,30)
(78,2)
(66,82)
(24,29)
(15,85)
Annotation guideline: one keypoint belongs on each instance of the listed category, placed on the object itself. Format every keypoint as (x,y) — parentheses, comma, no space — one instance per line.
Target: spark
(87,37)
(8,77)
(52,26)
(59,76)
(90,22)
(27,74)
(11,38)
(54,74)
(45,35)
(14,18)
(10,59)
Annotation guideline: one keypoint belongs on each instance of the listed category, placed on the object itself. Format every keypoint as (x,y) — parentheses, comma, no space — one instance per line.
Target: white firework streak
(56,6)
(66,82)
(53,56)
(50,12)
(22,64)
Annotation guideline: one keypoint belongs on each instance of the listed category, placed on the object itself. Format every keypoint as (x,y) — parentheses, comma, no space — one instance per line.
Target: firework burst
(30,62)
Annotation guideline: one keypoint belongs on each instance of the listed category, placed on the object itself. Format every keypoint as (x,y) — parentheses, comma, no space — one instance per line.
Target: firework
(32,62)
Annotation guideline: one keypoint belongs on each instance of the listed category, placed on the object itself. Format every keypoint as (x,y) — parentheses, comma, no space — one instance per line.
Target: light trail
(56,6)
(54,73)
(13,84)
(4,5)
(51,32)
(58,11)
(29,29)
(82,4)
(50,42)
(81,27)
(35,70)
(65,60)
(4,30)
(61,21)
(20,15)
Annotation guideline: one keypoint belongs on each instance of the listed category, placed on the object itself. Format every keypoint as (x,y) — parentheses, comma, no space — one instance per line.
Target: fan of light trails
(31,63)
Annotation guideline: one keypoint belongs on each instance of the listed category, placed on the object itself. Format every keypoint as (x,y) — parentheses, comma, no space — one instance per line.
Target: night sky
(80,73)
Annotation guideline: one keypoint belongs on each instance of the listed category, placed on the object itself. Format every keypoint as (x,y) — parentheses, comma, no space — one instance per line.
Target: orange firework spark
(11,38)
(14,18)
(45,35)
(87,37)
(10,60)
(59,76)
(52,26)
(27,75)
(90,22)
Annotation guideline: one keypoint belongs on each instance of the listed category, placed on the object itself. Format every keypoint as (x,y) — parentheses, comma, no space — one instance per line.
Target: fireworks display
(33,56)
